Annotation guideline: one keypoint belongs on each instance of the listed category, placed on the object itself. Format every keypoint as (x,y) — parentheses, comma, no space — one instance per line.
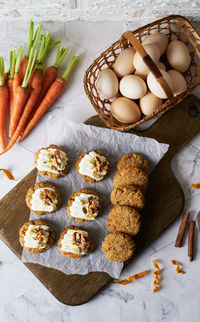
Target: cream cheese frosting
(79,207)
(47,161)
(87,166)
(32,238)
(37,201)
(69,246)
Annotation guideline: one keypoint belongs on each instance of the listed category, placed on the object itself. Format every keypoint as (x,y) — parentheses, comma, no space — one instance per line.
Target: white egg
(160,65)
(125,110)
(149,103)
(153,51)
(178,55)
(179,84)
(140,74)
(132,86)
(124,62)
(154,85)
(107,83)
(159,39)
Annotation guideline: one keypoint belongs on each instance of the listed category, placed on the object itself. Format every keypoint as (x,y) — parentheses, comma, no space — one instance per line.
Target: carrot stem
(29,68)
(12,64)
(30,38)
(71,66)
(18,59)
(60,56)
(36,37)
(53,44)
(2,70)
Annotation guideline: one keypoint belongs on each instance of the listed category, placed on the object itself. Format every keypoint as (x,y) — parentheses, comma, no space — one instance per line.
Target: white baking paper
(76,139)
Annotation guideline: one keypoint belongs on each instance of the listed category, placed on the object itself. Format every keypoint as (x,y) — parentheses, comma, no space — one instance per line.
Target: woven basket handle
(149,63)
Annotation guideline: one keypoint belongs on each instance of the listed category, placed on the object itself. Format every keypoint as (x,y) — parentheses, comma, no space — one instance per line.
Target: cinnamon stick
(182,230)
(191,240)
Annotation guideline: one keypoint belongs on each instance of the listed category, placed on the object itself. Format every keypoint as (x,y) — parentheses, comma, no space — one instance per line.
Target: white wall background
(97,10)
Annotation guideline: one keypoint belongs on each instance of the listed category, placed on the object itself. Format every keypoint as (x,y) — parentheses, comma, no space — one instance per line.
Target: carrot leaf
(31,63)
(60,56)
(18,59)
(30,38)
(43,51)
(12,64)
(2,70)
(72,63)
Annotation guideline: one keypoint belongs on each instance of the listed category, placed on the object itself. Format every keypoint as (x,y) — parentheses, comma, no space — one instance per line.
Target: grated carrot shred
(178,270)
(8,174)
(131,278)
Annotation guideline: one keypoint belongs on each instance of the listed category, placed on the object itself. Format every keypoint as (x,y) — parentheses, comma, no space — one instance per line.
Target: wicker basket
(176,27)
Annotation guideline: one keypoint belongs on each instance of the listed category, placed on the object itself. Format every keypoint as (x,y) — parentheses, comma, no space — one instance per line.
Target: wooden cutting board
(164,204)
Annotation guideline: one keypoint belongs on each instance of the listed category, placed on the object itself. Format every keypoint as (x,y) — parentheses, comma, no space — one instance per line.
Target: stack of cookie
(124,221)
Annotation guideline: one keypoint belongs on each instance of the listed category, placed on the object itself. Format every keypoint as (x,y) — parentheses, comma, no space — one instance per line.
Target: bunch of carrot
(26,89)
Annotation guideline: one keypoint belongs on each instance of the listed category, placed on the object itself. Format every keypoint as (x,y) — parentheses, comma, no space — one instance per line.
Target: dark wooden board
(164,204)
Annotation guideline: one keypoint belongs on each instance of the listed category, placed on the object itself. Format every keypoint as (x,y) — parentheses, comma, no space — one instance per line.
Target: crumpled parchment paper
(76,139)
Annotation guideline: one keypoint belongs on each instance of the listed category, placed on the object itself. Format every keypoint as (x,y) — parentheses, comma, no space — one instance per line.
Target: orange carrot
(3,102)
(23,67)
(16,84)
(32,43)
(50,76)
(21,96)
(51,96)
(34,92)
(10,81)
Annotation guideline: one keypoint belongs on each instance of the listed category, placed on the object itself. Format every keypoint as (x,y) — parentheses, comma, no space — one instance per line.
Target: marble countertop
(22,297)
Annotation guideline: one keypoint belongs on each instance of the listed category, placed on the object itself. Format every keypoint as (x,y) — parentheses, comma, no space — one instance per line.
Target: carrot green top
(31,64)
(72,63)
(2,70)
(18,59)
(61,53)
(32,42)
(12,64)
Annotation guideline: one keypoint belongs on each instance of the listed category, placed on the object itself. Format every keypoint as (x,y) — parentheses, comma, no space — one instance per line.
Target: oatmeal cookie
(131,177)
(43,198)
(36,236)
(75,243)
(124,219)
(84,205)
(92,166)
(118,247)
(133,160)
(128,196)
(52,161)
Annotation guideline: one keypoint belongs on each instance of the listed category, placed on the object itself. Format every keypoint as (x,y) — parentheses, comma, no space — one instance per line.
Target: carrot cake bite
(52,161)
(118,247)
(84,205)
(36,236)
(75,242)
(92,166)
(43,198)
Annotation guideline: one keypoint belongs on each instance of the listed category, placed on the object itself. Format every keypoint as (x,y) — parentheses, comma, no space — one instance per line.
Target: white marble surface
(22,297)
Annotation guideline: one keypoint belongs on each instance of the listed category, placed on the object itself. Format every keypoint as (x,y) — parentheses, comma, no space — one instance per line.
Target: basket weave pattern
(175,27)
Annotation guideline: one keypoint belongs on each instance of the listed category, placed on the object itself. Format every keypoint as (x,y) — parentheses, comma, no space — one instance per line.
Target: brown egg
(132,86)
(150,103)
(155,86)
(124,62)
(153,51)
(159,39)
(179,84)
(125,110)
(178,55)
(160,65)
(140,74)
